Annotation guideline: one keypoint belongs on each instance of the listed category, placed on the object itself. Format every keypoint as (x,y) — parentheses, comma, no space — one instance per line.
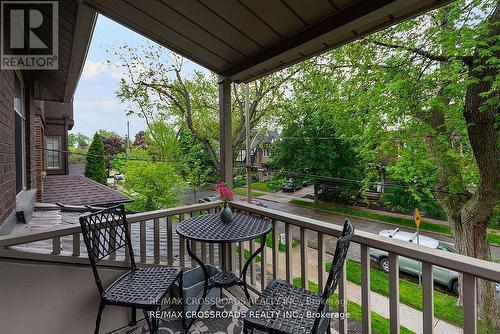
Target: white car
(410,266)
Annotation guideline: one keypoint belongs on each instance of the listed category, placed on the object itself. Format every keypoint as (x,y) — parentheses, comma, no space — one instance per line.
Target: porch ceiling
(247,39)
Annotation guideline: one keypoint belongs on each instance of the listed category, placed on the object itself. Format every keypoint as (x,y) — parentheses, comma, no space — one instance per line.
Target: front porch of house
(54,287)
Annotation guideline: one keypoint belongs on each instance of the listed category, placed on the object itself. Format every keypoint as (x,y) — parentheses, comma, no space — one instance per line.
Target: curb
(382,222)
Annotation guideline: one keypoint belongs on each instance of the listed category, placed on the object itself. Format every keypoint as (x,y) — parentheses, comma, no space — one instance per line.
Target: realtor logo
(29,35)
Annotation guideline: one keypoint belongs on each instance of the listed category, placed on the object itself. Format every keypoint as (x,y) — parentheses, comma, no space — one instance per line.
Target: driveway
(285,197)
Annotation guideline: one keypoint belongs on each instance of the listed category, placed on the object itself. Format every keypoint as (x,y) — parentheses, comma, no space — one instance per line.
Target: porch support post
(226,140)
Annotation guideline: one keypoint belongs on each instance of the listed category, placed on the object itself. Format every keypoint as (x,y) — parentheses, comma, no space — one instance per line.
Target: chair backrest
(337,264)
(104,232)
(338,259)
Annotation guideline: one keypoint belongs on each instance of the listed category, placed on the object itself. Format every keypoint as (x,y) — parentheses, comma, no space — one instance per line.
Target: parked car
(208,199)
(119,177)
(292,185)
(413,267)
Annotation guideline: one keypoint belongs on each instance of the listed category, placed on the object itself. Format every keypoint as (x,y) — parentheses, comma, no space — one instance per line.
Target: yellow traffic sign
(416,218)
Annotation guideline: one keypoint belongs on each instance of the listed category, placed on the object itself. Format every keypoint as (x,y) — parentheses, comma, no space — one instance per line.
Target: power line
(289,173)
(110,156)
(360,182)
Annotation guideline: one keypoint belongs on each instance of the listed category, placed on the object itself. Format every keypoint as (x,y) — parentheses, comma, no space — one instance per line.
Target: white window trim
(22,113)
(60,155)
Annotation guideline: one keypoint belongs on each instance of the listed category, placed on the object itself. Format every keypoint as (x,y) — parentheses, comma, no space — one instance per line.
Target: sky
(95,103)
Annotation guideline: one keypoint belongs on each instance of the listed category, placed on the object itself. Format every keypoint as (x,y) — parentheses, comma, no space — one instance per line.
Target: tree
(112,143)
(431,84)
(153,185)
(310,144)
(140,140)
(95,167)
(196,177)
(157,86)
(77,140)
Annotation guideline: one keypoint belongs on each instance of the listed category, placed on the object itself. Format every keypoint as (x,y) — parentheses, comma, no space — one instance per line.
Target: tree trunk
(316,201)
(472,240)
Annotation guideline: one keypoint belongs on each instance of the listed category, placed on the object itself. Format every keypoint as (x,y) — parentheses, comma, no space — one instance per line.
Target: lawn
(379,324)
(262,186)
(243,192)
(445,306)
(493,238)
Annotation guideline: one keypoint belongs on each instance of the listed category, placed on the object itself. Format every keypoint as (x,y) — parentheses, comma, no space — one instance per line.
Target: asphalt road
(330,217)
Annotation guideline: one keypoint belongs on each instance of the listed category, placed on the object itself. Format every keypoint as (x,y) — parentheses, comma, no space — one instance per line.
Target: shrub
(95,168)
(239,181)
(276,183)
(399,200)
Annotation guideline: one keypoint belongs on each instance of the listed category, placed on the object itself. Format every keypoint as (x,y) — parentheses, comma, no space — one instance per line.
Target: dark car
(291,185)
(208,199)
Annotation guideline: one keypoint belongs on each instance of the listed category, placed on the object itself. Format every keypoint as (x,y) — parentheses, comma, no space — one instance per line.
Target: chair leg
(329,328)
(149,322)
(246,330)
(98,319)
(133,317)
(181,297)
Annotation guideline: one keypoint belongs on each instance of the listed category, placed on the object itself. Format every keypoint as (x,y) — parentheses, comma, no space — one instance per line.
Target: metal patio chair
(289,309)
(106,231)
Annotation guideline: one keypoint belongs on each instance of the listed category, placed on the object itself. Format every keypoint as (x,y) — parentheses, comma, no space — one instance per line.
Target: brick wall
(7,138)
(39,156)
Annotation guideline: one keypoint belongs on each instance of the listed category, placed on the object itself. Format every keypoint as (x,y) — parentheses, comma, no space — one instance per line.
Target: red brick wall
(7,138)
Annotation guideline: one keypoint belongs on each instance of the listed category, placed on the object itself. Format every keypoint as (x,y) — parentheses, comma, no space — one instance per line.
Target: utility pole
(127,142)
(248,144)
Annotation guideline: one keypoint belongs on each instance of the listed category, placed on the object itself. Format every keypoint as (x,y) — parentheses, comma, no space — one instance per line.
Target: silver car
(410,266)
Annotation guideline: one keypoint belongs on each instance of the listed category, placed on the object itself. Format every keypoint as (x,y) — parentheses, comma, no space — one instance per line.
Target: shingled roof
(76,189)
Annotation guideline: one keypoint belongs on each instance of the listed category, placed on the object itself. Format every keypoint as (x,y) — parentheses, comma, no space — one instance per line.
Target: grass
(281,247)
(493,238)
(445,306)
(247,254)
(243,192)
(262,186)
(379,324)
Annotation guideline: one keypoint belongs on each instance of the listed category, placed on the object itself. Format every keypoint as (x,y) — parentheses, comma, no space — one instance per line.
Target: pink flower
(223,192)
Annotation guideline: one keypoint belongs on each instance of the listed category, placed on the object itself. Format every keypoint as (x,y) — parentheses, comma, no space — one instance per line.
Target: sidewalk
(409,317)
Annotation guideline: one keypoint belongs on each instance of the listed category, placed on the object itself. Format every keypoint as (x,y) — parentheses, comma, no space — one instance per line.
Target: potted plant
(226,195)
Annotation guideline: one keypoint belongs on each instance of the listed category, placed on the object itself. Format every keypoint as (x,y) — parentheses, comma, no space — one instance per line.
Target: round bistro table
(210,229)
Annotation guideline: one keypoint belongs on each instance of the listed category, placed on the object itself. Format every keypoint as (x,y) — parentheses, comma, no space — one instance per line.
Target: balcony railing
(166,248)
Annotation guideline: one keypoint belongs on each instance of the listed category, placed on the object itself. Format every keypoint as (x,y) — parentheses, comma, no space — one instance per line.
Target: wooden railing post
(428,298)
(321,261)
(276,253)
(76,244)
(365,289)
(56,245)
(263,268)
(142,241)
(470,303)
(304,272)
(170,241)
(394,292)
(252,264)
(288,253)
(156,240)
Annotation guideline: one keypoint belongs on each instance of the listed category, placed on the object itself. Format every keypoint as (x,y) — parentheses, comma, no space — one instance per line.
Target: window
(20,150)
(445,247)
(265,152)
(53,146)
(242,156)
